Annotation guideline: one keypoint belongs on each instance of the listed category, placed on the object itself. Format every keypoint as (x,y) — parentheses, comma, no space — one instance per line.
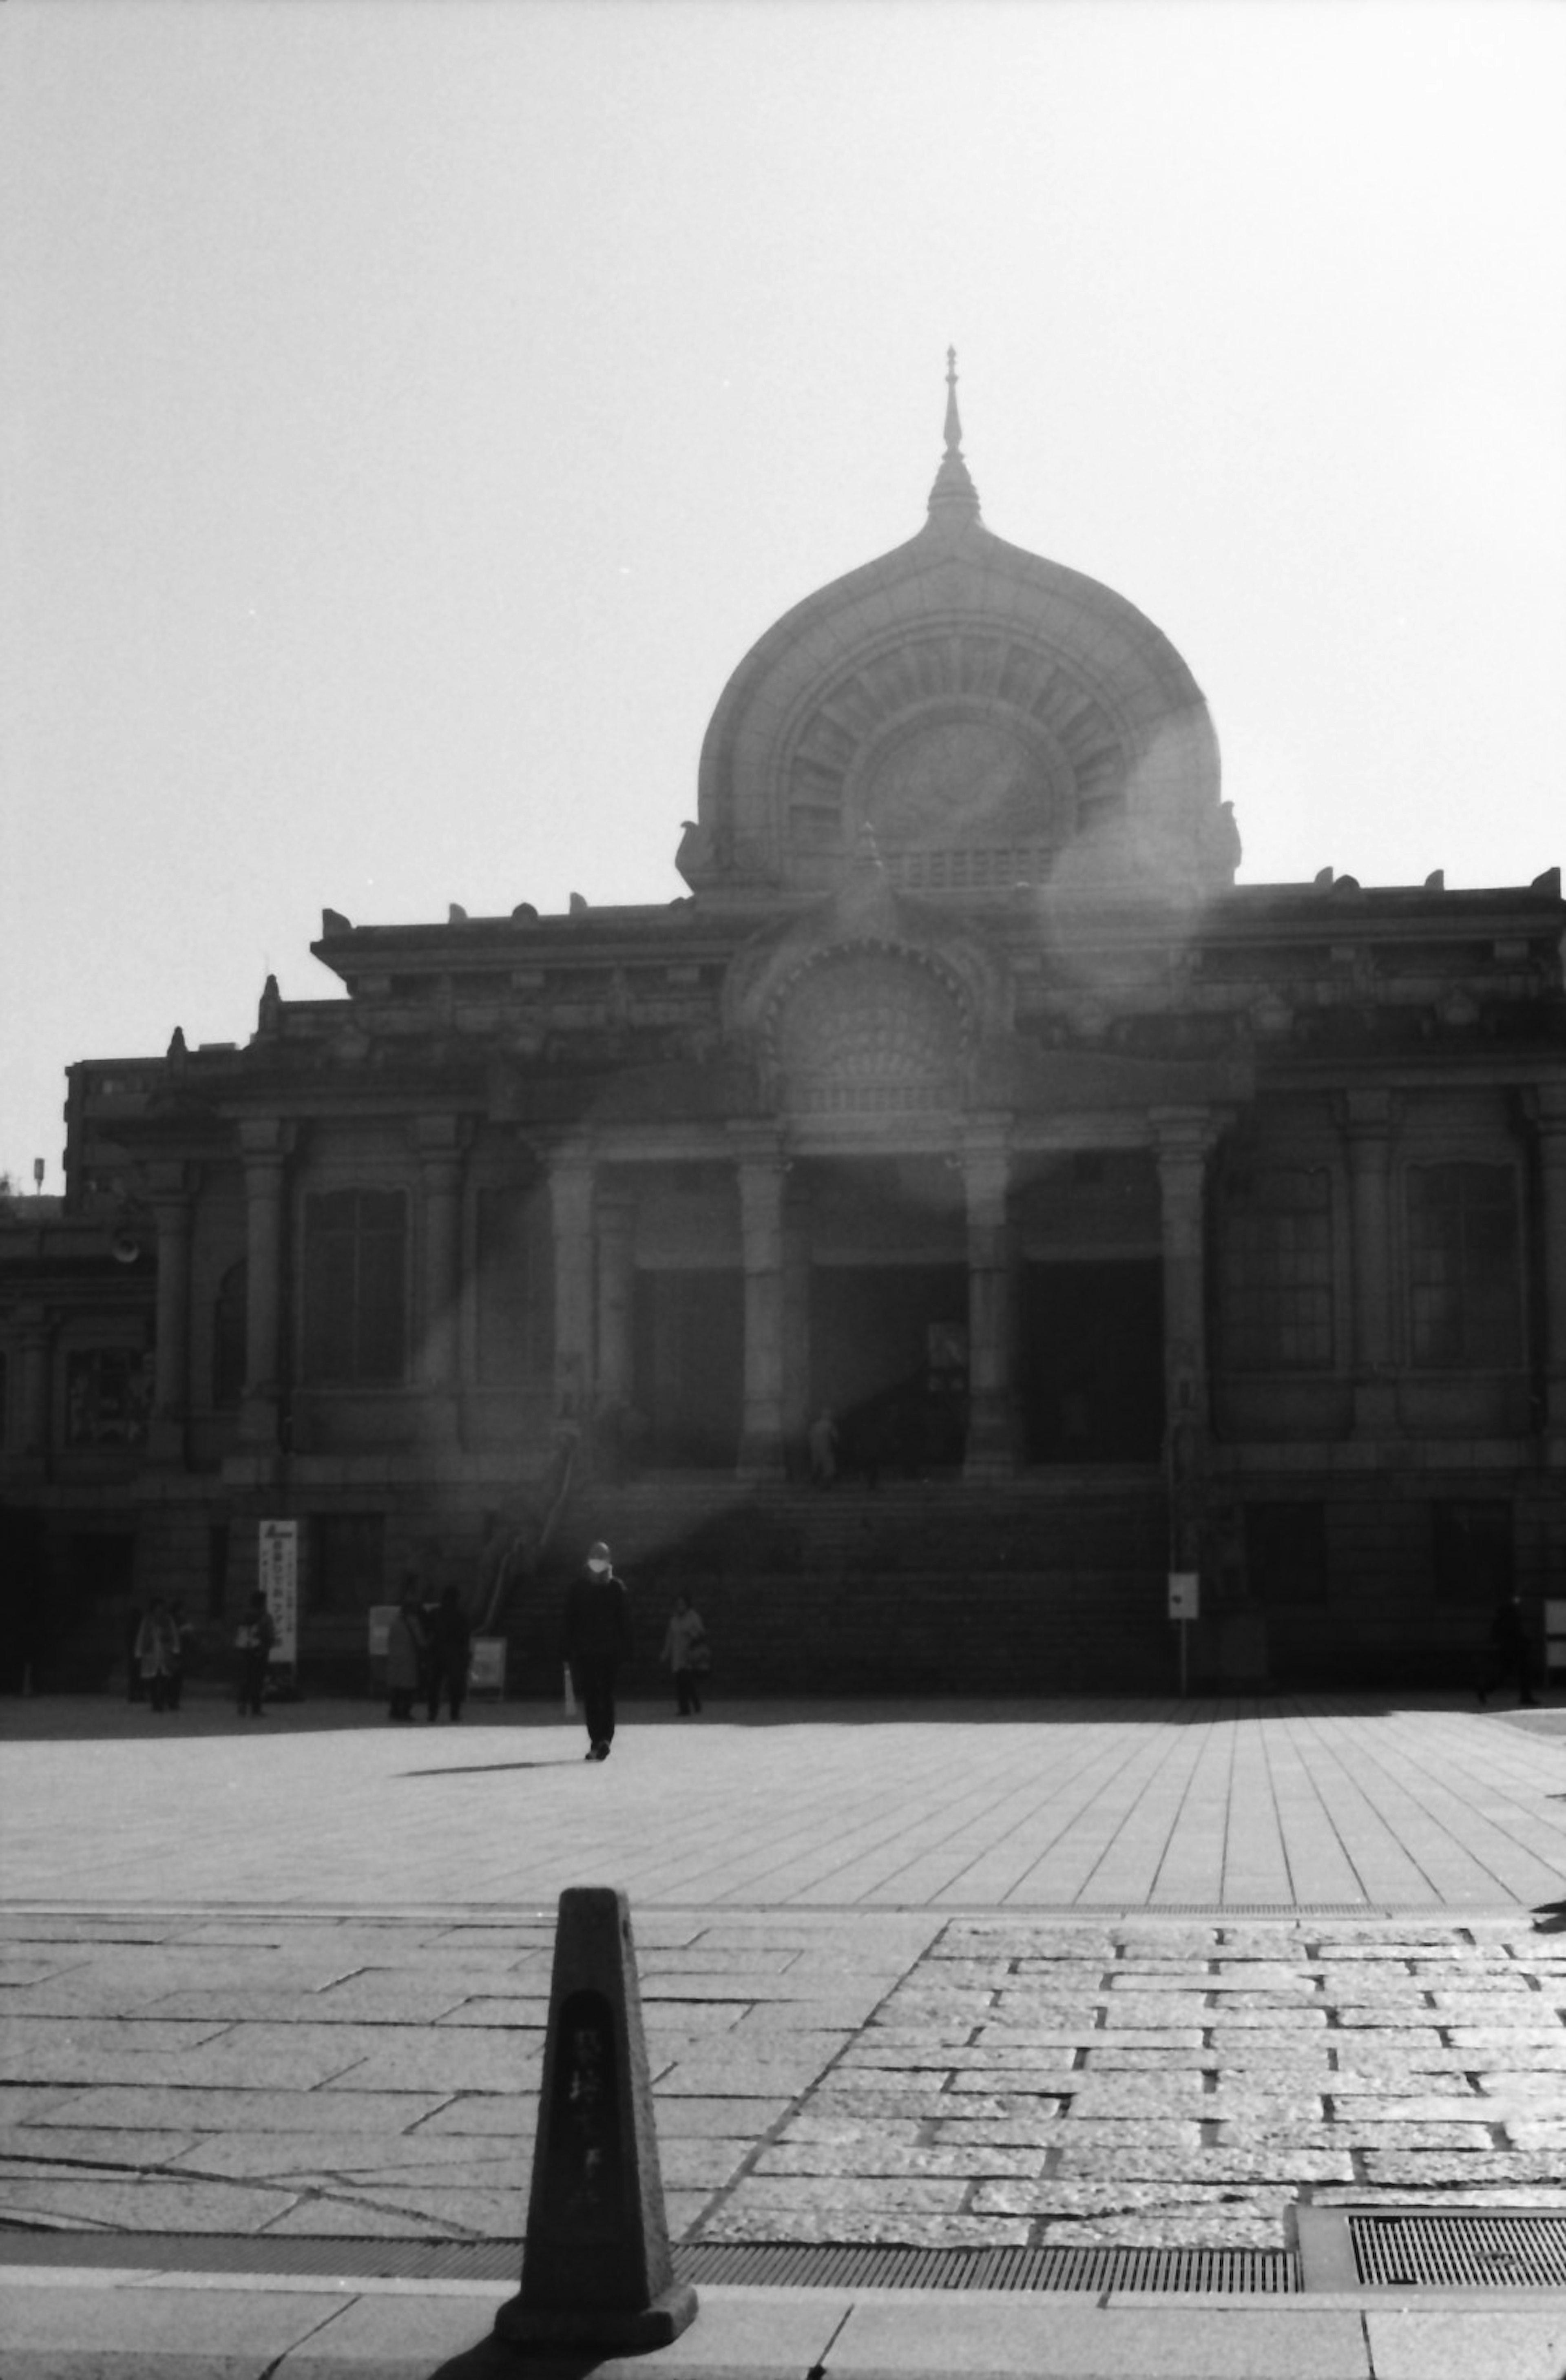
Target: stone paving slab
(825,2066)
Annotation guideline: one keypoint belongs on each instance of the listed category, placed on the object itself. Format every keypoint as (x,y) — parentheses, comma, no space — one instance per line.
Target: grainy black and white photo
(782,1188)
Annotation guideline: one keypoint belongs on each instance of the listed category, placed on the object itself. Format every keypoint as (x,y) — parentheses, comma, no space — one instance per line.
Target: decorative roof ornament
(954,500)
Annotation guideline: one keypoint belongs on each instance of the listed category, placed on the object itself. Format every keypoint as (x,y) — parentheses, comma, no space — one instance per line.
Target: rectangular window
(515,1287)
(228,1337)
(355,1286)
(108,1390)
(1471,1550)
(1463,1240)
(1275,1269)
(1286,1552)
(348,1566)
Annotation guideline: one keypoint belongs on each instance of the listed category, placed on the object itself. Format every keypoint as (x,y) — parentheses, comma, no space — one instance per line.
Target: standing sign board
(1185,1591)
(1555,1633)
(486,1667)
(279,1581)
(1184,1601)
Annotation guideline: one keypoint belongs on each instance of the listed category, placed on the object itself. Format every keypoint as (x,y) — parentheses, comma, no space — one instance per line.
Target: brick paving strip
(831,2062)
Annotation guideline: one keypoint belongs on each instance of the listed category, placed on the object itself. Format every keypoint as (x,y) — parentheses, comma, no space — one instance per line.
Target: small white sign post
(1184,1599)
(279,1581)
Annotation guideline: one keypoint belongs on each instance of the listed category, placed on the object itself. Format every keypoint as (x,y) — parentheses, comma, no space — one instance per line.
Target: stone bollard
(596,2267)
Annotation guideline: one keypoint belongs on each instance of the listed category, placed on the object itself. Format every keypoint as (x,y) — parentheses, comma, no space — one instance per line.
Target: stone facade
(1124,1217)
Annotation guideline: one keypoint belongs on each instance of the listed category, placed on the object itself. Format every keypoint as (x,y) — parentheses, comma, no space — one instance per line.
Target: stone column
(1366,1119)
(762,1177)
(264,1146)
(796,1415)
(616,1251)
(571,1213)
(1185,1137)
(439,1143)
(987,1167)
(1549,1113)
(34,1337)
(169,1191)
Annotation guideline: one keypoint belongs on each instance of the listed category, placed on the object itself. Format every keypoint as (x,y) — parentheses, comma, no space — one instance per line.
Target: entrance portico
(1009,1296)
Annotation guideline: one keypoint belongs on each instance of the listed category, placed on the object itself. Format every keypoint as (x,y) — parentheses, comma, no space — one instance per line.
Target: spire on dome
(954,500)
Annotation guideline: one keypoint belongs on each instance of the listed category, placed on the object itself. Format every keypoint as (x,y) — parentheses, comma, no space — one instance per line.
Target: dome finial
(954,500)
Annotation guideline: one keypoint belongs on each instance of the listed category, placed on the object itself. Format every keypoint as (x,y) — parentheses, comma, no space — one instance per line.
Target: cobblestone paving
(978,2081)
(235,2055)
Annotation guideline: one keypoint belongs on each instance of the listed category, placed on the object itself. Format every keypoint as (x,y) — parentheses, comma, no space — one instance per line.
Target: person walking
(596,1638)
(183,1637)
(821,1438)
(253,1640)
(406,1647)
(450,1649)
(157,1653)
(685,1649)
(1512,1653)
(135,1683)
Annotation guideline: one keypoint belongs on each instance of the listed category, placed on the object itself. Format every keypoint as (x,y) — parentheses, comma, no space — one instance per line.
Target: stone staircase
(1050,1585)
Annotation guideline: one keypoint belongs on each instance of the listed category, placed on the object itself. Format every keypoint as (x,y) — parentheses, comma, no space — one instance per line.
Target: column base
(165,1443)
(761,1455)
(260,1424)
(440,1424)
(1374,1409)
(990,1452)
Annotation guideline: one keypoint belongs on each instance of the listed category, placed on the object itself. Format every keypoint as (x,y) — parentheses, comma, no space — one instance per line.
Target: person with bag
(157,1652)
(183,1637)
(408,1649)
(451,1649)
(686,1650)
(596,1637)
(253,1640)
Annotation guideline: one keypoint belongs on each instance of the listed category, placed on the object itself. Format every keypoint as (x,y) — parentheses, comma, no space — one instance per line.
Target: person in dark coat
(253,1640)
(1512,1653)
(135,1683)
(451,1642)
(406,1655)
(596,1639)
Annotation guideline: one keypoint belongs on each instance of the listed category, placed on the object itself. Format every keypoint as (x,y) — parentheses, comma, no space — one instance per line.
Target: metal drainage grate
(1245,2271)
(1421,2248)
(778,2263)
(1460,2251)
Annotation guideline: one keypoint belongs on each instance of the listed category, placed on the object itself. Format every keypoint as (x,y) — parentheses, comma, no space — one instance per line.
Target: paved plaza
(1127,1974)
(1075,1971)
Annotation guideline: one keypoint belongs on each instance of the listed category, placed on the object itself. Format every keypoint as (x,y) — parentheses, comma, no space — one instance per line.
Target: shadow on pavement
(108,1718)
(493,2360)
(491,1767)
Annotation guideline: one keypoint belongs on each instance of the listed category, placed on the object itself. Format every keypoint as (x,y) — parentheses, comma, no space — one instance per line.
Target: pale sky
(410,414)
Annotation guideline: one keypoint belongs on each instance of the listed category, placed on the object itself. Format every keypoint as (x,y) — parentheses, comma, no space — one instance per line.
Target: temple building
(964,1125)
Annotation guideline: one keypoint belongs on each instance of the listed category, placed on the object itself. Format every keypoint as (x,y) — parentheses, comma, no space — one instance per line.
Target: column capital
(435,1136)
(1186,1131)
(1545,1105)
(264,1139)
(168,1183)
(757,1141)
(1366,1116)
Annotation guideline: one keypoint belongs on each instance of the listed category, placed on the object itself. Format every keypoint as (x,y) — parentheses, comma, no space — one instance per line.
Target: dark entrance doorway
(889,1355)
(688,1363)
(1091,1362)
